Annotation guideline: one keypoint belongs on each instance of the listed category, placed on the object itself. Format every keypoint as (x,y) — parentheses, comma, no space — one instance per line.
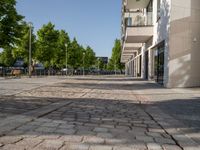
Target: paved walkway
(97,113)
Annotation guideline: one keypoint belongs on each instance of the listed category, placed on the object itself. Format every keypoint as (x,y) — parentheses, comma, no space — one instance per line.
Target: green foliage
(10,23)
(100,64)
(49,48)
(60,54)
(75,54)
(114,62)
(47,45)
(6,57)
(89,58)
(22,47)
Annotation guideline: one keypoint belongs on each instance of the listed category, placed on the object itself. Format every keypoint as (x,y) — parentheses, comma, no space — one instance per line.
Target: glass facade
(159,63)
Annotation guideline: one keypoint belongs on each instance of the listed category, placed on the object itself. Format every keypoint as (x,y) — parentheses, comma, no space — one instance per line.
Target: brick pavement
(90,114)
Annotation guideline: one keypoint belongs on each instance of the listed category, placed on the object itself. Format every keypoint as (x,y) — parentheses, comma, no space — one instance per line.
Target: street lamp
(115,68)
(30,59)
(98,66)
(83,63)
(66,59)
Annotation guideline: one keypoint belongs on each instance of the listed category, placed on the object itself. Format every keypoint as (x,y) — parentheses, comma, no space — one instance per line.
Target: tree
(22,47)
(6,57)
(114,62)
(75,54)
(99,64)
(89,58)
(47,45)
(60,54)
(10,23)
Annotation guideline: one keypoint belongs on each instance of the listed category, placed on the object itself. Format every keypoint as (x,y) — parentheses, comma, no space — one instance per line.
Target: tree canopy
(47,44)
(10,23)
(21,51)
(114,62)
(49,47)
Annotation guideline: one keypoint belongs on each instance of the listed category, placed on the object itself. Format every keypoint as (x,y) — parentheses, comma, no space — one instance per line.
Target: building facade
(161,41)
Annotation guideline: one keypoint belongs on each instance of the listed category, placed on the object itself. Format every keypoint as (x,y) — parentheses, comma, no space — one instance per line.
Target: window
(158,9)
(128,21)
(149,13)
(159,62)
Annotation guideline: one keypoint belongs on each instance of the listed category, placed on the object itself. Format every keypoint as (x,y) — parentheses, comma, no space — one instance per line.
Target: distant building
(104,59)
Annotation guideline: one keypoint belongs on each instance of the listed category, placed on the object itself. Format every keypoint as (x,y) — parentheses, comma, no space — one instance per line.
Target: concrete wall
(184,44)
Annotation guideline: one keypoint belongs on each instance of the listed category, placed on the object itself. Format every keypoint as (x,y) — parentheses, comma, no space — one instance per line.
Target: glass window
(158,9)
(128,21)
(149,13)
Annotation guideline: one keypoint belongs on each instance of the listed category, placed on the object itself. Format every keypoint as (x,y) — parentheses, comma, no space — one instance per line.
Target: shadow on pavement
(96,121)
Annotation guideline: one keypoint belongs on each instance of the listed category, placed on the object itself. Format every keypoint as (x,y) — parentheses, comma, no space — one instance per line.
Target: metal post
(98,66)
(115,68)
(66,60)
(30,59)
(83,63)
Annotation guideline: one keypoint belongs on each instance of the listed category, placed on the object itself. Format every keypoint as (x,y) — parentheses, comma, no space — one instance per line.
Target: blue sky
(93,22)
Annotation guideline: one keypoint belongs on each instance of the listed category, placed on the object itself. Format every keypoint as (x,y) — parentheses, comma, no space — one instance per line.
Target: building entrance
(159,63)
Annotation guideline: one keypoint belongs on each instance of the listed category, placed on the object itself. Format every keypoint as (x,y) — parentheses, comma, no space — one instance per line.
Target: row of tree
(50,47)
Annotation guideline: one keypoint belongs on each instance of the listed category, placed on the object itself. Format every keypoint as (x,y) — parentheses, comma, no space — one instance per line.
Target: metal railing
(18,72)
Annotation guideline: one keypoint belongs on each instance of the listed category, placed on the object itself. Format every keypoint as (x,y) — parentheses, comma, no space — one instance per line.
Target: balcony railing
(139,20)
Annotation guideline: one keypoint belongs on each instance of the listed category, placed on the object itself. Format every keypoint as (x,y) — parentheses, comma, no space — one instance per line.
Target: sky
(93,22)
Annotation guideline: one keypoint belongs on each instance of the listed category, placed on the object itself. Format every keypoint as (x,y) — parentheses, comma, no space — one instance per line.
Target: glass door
(146,64)
(159,64)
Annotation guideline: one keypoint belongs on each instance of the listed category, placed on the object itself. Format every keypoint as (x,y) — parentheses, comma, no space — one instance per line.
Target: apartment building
(161,41)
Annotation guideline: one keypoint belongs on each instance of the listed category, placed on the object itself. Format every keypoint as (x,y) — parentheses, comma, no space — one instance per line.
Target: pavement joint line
(34,88)
(163,128)
(33,114)
(42,115)
(145,100)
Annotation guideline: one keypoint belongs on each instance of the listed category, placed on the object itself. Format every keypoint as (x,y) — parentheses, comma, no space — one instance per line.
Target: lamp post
(83,63)
(66,60)
(115,68)
(30,59)
(98,66)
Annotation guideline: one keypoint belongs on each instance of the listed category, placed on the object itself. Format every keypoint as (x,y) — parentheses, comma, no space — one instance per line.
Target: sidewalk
(98,113)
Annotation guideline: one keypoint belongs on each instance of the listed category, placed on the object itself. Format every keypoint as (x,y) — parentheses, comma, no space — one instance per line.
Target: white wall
(184,53)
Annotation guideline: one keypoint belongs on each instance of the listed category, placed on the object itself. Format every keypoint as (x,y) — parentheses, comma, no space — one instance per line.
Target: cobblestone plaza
(97,113)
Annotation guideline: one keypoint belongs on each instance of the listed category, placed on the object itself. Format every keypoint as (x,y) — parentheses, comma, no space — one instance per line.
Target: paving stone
(48,137)
(154,146)
(164,140)
(28,143)
(9,139)
(93,140)
(97,129)
(12,147)
(105,135)
(115,141)
(131,147)
(65,131)
(45,130)
(100,147)
(145,139)
(153,134)
(71,138)
(50,145)
(72,146)
(85,132)
(170,147)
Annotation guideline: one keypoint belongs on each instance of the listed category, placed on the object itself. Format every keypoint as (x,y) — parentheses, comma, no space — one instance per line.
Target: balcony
(129,49)
(133,4)
(138,34)
(138,28)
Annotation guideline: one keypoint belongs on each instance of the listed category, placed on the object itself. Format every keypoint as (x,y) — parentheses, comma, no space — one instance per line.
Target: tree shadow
(95,121)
